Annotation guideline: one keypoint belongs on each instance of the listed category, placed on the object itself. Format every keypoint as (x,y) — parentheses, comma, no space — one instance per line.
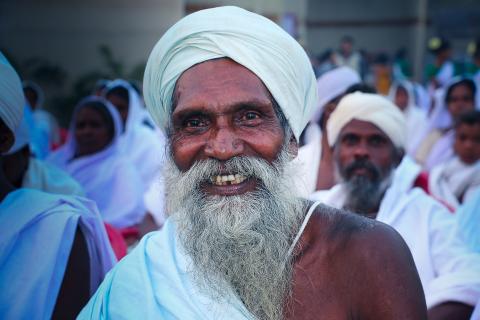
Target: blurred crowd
(113,153)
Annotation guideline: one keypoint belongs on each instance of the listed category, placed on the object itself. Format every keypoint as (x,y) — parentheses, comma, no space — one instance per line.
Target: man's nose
(223,144)
(361,151)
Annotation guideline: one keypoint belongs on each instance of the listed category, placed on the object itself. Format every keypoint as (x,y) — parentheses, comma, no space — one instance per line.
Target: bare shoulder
(346,230)
(371,264)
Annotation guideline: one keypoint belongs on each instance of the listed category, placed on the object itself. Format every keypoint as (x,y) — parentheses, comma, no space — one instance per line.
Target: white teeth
(227,179)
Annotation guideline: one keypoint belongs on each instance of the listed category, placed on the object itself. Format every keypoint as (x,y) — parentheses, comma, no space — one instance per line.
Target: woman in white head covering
(92,155)
(458,96)
(402,94)
(143,144)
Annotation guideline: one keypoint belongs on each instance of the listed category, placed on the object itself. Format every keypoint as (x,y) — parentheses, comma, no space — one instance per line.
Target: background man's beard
(239,242)
(364,193)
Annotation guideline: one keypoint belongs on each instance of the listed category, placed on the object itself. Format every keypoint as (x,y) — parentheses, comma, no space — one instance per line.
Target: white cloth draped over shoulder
(154,282)
(454,180)
(414,116)
(108,177)
(37,230)
(144,146)
(245,37)
(448,269)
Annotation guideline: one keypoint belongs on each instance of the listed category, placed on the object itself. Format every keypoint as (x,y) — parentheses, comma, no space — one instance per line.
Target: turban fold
(245,37)
(11,95)
(372,108)
(333,83)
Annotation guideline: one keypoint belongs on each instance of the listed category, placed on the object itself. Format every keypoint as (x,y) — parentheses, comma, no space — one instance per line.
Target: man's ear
(293,147)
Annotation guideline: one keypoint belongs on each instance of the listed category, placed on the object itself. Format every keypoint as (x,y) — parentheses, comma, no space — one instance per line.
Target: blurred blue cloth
(468,221)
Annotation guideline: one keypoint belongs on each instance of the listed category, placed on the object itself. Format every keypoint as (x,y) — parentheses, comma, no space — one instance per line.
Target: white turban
(11,95)
(22,136)
(331,84)
(371,108)
(245,37)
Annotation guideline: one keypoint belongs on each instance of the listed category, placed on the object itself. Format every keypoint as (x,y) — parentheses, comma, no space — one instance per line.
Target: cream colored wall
(69,33)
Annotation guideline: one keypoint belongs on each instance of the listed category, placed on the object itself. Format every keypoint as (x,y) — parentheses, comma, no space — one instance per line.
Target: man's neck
(5,186)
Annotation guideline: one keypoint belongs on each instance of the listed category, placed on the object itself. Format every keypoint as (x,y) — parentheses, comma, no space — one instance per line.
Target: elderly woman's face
(92,133)
(223,110)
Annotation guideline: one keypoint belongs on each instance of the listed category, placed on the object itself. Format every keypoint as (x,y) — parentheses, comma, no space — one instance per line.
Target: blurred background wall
(65,45)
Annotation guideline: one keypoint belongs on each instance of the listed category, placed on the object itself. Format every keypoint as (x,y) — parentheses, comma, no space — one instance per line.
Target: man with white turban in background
(54,251)
(314,160)
(234,91)
(367,134)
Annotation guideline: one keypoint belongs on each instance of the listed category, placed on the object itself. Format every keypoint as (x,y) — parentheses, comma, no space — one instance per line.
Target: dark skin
(91,132)
(15,166)
(122,106)
(363,140)
(75,289)
(467,142)
(223,110)
(6,142)
(337,273)
(460,100)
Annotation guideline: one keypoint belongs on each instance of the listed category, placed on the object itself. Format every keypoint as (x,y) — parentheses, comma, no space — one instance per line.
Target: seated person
(54,251)
(367,135)
(142,144)
(436,143)
(455,180)
(92,156)
(25,171)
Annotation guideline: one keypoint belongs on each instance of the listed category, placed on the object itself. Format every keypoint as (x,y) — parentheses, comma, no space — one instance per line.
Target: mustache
(250,167)
(372,169)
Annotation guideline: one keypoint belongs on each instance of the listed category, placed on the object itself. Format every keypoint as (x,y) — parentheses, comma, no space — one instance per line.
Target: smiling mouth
(225,180)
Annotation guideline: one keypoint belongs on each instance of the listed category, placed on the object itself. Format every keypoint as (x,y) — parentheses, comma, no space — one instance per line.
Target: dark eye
(250,115)
(350,139)
(193,123)
(377,141)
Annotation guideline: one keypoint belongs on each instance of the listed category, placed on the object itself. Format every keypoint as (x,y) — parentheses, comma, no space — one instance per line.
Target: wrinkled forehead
(216,72)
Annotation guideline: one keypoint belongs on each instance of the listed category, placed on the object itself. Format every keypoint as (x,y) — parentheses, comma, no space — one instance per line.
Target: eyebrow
(235,107)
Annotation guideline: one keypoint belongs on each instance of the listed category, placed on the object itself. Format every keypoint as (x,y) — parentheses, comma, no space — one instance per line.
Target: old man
(233,92)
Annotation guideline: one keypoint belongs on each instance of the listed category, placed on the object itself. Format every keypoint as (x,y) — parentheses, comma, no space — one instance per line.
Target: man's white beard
(239,242)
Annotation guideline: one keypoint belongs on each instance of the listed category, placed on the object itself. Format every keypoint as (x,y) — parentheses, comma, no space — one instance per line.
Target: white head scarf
(40,95)
(371,108)
(107,176)
(440,118)
(332,84)
(245,37)
(136,111)
(407,85)
(11,95)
